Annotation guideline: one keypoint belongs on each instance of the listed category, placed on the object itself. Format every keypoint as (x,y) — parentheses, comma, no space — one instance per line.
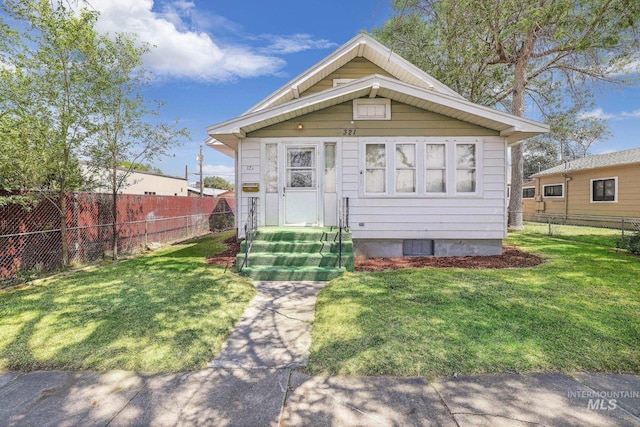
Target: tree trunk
(64,243)
(114,209)
(517,168)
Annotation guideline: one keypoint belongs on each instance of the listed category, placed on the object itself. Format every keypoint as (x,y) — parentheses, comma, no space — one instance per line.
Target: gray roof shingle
(617,158)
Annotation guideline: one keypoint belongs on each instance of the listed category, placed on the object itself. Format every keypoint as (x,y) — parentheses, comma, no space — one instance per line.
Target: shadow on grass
(159,313)
(578,311)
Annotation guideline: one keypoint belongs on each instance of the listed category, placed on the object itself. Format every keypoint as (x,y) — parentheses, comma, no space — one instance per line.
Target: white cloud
(599,113)
(295,43)
(185,48)
(634,114)
(218,170)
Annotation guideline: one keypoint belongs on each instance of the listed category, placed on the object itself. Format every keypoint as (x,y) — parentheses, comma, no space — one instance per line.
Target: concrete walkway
(275,330)
(254,382)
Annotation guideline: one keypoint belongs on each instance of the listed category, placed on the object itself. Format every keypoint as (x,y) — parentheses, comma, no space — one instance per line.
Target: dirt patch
(228,257)
(510,258)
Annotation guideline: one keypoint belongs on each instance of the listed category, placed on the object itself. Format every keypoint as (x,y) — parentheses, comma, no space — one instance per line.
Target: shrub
(630,243)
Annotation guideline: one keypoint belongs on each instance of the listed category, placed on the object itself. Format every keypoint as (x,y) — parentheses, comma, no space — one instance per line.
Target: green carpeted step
(297,253)
(265,259)
(298,247)
(293,273)
(301,234)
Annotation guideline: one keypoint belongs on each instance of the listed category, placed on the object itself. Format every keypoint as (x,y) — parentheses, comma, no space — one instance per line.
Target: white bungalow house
(423,170)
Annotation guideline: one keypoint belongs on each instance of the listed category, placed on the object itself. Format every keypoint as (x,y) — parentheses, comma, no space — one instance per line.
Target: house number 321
(348,132)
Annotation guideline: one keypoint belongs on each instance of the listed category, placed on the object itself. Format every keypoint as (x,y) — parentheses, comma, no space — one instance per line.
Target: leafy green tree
(217,182)
(47,92)
(505,52)
(125,129)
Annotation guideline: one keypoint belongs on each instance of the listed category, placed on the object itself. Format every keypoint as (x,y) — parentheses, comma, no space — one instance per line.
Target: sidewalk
(243,397)
(255,381)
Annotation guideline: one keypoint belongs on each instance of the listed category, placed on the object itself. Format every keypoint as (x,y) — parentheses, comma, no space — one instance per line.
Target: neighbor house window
(376,168)
(604,190)
(553,190)
(465,168)
(436,168)
(405,168)
(528,192)
(372,109)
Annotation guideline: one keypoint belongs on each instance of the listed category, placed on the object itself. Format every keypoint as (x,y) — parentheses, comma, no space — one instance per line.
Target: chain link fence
(31,241)
(626,225)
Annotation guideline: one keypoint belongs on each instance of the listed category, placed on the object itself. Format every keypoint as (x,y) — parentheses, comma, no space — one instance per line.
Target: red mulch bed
(510,258)
(228,257)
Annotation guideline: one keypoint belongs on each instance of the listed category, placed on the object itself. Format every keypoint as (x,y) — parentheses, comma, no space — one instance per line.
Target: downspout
(567,178)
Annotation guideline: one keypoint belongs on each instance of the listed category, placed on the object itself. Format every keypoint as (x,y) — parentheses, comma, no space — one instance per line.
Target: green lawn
(580,310)
(167,311)
(593,235)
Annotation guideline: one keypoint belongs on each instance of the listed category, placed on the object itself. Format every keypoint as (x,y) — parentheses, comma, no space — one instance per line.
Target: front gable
(355,69)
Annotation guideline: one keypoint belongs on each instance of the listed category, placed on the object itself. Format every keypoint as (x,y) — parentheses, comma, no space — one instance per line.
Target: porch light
(300,127)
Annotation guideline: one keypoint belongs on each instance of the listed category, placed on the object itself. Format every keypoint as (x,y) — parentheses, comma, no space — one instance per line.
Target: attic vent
(340,82)
(372,109)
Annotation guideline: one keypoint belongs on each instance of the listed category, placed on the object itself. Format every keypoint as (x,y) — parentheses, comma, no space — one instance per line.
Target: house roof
(617,158)
(212,192)
(514,128)
(363,46)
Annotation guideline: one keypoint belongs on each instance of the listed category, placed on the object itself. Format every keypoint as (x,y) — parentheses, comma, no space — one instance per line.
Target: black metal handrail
(250,229)
(343,223)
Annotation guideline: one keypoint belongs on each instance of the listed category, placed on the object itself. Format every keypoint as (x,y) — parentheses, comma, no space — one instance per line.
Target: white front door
(300,189)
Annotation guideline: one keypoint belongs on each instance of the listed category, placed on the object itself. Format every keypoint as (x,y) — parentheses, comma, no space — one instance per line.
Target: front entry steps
(297,253)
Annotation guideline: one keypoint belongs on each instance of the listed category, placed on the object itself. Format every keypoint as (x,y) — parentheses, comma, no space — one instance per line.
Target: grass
(167,311)
(594,235)
(580,310)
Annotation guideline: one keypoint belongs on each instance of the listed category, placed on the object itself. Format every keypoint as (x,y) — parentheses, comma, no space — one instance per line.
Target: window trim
(615,196)
(529,188)
(553,185)
(386,102)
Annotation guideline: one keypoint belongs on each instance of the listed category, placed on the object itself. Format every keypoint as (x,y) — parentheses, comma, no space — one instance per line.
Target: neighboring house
(607,185)
(140,183)
(423,170)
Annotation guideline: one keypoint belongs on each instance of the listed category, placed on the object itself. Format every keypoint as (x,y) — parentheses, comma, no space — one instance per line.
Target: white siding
(420,217)
(250,171)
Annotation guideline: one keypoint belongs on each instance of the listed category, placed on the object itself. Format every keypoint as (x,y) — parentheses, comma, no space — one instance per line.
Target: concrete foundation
(391,248)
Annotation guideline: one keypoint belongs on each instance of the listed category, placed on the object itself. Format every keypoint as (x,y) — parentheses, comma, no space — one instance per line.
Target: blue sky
(213,60)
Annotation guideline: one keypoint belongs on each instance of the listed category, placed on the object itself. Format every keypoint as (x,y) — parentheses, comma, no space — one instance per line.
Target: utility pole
(200,159)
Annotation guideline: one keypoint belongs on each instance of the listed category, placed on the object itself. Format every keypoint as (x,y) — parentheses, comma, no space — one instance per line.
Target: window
(271,168)
(554,190)
(604,190)
(371,109)
(405,168)
(465,168)
(436,168)
(330,168)
(301,167)
(376,168)
(528,192)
